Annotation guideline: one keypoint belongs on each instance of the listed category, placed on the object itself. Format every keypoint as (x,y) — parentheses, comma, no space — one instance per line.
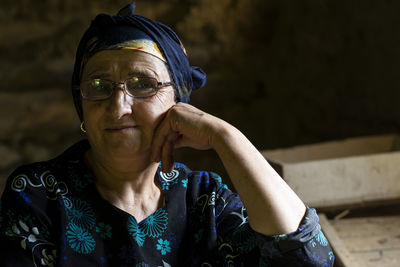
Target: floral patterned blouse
(52,215)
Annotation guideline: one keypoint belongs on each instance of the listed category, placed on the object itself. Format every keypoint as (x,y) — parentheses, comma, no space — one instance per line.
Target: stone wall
(284,72)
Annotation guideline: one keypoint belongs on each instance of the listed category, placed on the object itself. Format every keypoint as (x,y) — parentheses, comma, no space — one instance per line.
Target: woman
(118,199)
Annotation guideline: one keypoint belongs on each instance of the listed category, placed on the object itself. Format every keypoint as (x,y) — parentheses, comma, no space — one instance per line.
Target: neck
(127,184)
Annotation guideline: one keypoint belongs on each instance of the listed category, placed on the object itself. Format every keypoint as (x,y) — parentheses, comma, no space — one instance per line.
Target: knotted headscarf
(113,31)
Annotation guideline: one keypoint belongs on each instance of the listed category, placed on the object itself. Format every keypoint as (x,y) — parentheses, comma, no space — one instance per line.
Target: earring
(83,127)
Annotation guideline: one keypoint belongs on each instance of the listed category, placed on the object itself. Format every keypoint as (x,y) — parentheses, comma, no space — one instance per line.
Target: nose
(120,102)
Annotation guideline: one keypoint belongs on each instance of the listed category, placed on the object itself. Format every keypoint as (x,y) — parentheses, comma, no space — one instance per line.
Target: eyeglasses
(138,87)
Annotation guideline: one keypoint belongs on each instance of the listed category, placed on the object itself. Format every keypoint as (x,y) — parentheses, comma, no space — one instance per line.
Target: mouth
(120,128)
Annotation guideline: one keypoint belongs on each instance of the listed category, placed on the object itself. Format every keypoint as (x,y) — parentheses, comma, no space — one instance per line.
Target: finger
(159,138)
(164,128)
(167,158)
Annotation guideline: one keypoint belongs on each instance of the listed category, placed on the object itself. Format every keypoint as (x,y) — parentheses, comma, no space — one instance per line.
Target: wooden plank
(343,257)
(381,258)
(367,226)
(356,171)
(335,149)
(372,241)
(352,180)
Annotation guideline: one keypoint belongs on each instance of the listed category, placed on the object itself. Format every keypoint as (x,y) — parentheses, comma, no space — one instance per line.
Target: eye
(141,86)
(137,83)
(97,84)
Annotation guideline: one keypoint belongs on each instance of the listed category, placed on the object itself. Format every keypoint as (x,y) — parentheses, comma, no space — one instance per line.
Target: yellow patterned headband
(143,45)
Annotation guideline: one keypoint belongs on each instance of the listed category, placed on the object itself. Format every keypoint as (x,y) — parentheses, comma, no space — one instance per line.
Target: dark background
(284,72)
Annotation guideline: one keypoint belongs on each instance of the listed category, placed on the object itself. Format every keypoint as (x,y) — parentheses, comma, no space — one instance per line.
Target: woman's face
(123,126)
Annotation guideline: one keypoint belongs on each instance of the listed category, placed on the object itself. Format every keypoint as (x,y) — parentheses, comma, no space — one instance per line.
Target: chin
(127,148)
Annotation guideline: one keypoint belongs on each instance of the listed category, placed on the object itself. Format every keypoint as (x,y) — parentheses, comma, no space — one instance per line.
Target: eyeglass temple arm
(164,84)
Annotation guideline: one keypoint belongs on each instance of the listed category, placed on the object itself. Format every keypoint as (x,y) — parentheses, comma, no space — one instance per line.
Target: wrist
(222,133)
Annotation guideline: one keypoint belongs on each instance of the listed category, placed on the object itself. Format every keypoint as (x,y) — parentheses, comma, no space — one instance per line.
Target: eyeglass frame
(115,84)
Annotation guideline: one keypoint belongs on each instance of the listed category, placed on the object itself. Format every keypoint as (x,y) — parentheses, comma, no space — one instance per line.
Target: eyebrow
(99,76)
(142,73)
(137,73)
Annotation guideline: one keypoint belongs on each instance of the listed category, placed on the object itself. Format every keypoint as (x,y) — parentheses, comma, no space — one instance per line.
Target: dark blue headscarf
(107,30)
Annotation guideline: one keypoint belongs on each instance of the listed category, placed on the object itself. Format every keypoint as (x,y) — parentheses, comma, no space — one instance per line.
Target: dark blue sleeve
(307,246)
(24,227)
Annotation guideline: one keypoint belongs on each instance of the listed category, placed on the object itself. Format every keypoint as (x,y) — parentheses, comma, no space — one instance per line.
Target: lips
(117,128)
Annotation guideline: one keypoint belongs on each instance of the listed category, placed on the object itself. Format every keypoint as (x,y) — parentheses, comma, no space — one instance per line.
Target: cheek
(91,114)
(165,102)
(155,109)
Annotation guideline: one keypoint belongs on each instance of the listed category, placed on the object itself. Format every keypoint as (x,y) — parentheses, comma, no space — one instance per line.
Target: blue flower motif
(320,237)
(79,239)
(184,182)
(163,246)
(104,230)
(135,232)
(142,264)
(128,254)
(81,214)
(155,224)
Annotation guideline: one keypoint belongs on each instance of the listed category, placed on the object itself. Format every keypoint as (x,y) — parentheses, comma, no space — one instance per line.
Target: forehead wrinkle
(142,71)
(100,70)
(158,70)
(139,63)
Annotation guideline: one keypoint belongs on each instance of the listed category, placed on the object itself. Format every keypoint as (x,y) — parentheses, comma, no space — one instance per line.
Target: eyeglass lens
(98,89)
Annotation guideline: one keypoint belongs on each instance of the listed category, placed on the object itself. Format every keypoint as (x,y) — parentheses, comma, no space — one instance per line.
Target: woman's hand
(183,126)
(273,208)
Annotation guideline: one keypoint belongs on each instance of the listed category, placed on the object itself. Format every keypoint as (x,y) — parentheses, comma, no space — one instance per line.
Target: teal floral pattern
(163,246)
(134,230)
(50,214)
(142,264)
(155,224)
(320,237)
(168,179)
(79,239)
(104,230)
(81,214)
(184,182)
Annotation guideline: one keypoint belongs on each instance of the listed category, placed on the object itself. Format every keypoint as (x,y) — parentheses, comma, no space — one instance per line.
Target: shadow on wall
(284,73)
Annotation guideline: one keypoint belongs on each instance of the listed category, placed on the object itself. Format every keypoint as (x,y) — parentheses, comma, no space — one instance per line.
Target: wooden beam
(343,257)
